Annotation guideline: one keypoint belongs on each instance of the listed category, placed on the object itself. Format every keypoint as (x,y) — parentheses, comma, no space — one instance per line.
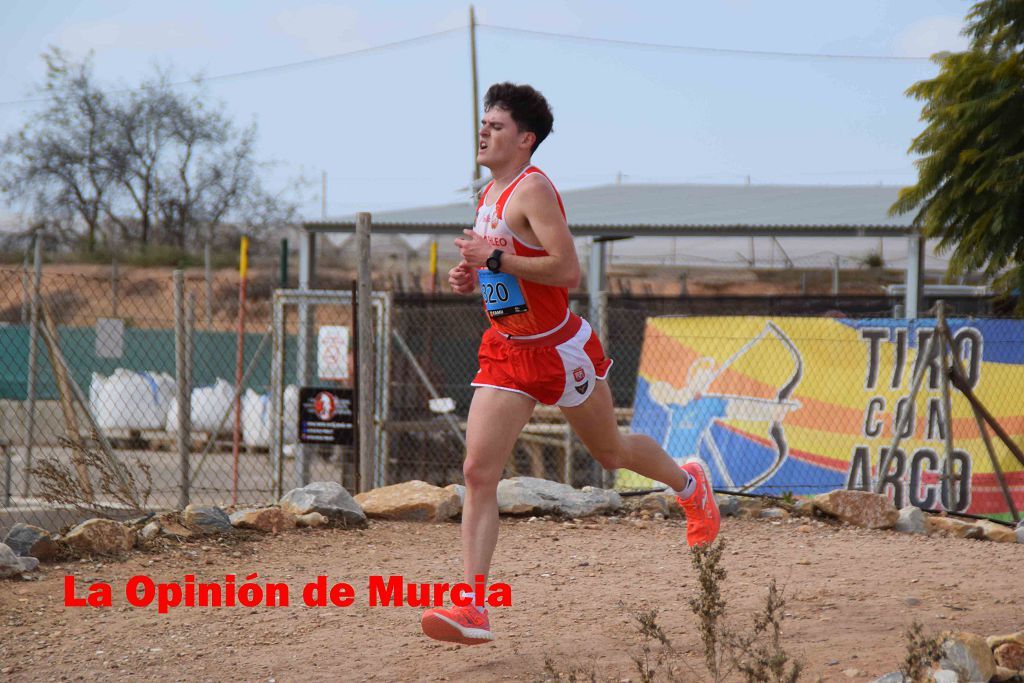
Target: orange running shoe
(465,625)
(701,508)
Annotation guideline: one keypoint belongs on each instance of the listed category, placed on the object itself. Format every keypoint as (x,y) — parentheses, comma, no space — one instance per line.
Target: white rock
(911,520)
(529,495)
(329,498)
(311,519)
(12,565)
(150,531)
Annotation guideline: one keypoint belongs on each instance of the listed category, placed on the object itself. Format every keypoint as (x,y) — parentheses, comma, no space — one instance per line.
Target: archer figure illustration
(693,409)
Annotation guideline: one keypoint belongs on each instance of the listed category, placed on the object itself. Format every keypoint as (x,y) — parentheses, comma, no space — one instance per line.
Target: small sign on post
(109,337)
(326,416)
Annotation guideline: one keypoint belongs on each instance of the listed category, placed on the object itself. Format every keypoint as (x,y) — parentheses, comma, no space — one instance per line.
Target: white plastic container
(131,400)
(209,404)
(256,417)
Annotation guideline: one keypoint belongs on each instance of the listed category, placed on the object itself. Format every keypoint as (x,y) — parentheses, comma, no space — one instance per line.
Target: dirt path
(851,593)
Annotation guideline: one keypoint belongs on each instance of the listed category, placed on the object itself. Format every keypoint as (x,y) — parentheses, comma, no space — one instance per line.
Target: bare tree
(211,171)
(63,157)
(141,125)
(157,163)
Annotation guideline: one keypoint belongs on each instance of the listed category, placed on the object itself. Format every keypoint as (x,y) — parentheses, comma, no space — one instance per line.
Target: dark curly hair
(527,107)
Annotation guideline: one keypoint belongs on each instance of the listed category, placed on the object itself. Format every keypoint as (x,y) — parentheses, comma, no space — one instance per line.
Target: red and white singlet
(535,345)
(517,307)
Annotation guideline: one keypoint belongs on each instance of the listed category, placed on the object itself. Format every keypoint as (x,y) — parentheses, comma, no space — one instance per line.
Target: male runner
(522,253)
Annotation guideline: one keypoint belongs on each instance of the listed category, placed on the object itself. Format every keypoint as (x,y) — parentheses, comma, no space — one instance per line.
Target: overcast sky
(393,127)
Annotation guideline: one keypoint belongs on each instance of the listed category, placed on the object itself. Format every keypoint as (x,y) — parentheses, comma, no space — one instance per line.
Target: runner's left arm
(462,278)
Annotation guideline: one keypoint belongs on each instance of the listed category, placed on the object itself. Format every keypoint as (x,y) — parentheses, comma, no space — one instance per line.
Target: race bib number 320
(502,294)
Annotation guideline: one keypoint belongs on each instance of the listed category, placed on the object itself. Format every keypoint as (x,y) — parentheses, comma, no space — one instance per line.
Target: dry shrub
(922,651)
(751,655)
(575,674)
(755,654)
(61,485)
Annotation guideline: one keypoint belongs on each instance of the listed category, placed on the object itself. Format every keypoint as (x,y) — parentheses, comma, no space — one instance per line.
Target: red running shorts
(560,368)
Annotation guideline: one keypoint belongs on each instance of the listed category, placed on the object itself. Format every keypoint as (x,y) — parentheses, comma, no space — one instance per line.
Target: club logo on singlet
(578,374)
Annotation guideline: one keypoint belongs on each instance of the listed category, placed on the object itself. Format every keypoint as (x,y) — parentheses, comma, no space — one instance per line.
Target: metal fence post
(914,277)
(945,362)
(384,386)
(208,276)
(303,338)
(114,277)
(277,394)
(596,275)
(26,289)
(367,361)
(5,453)
(33,361)
(181,372)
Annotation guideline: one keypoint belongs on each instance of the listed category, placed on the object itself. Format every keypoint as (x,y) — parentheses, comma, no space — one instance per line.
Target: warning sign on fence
(326,416)
(808,405)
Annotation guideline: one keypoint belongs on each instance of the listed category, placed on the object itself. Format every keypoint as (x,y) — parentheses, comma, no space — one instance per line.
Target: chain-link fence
(89,419)
(775,456)
(89,397)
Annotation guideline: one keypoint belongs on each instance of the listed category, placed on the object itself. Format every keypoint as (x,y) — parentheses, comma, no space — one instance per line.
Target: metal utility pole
(476,93)
(323,195)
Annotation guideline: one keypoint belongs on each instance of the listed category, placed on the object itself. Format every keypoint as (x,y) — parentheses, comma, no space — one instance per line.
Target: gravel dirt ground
(850,593)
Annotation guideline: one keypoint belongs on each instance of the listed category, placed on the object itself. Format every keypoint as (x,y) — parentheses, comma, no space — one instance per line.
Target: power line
(275,68)
(695,49)
(722,51)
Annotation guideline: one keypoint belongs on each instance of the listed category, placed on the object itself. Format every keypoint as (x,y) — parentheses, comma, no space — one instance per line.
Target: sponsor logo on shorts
(582,388)
(578,374)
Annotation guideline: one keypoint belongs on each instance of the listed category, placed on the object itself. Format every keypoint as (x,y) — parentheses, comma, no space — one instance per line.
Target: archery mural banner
(808,405)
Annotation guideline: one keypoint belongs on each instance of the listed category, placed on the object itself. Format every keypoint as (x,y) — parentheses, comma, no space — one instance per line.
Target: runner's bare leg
(495,420)
(594,422)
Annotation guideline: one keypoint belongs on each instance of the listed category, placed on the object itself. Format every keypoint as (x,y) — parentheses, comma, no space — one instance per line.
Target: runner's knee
(479,473)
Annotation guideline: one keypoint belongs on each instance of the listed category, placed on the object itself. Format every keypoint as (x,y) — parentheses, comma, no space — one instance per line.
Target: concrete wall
(49,422)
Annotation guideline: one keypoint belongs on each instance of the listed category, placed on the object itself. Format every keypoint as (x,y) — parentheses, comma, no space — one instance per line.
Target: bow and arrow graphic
(692,410)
